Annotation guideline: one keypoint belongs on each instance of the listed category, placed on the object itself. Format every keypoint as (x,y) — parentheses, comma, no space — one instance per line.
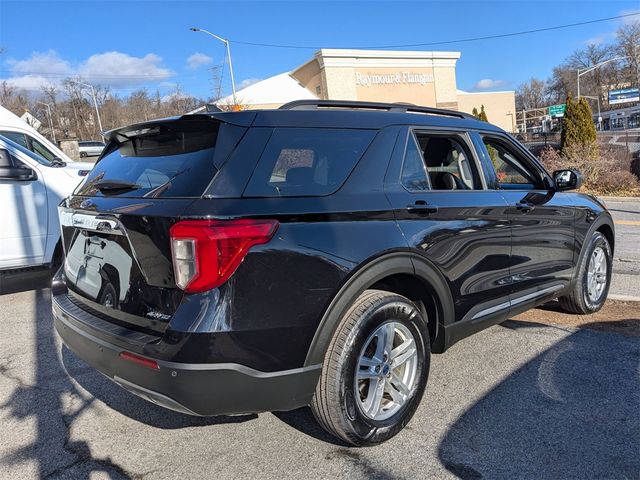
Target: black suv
(224,263)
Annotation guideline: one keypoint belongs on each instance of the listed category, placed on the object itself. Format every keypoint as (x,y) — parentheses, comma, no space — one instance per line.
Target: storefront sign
(397,78)
(624,96)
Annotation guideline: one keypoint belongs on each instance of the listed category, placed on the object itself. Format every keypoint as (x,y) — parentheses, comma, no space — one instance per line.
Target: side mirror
(567,179)
(21,173)
(58,162)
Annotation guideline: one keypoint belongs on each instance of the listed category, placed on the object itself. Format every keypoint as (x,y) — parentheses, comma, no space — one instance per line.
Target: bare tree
(628,46)
(531,94)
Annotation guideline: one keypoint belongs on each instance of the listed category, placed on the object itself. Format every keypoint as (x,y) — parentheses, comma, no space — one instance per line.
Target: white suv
(90,148)
(31,188)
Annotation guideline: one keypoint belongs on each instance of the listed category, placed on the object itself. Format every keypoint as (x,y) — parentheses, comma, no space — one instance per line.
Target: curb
(624,298)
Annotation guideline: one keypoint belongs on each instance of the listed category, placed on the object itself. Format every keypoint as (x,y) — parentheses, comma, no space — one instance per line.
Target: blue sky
(123,44)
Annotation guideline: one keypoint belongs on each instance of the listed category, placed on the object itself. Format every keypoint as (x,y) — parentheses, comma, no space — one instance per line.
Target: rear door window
(162,161)
(307,161)
(19,138)
(41,150)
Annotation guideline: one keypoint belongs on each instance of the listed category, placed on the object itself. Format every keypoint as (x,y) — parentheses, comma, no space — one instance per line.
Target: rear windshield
(163,161)
(307,161)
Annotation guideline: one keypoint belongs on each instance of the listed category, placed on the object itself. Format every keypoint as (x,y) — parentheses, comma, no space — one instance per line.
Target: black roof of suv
(316,254)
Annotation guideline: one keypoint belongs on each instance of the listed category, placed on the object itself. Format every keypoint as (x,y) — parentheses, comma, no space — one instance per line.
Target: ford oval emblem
(103,227)
(86,204)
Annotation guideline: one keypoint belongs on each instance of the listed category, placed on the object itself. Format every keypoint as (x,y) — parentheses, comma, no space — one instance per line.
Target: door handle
(524,207)
(420,207)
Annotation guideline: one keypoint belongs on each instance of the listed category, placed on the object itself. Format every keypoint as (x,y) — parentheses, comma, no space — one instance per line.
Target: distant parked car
(90,148)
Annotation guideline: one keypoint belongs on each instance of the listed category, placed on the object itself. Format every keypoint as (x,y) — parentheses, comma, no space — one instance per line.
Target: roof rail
(389,107)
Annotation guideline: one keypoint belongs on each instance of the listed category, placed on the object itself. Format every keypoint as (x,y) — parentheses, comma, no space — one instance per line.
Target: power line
(443,42)
(156,76)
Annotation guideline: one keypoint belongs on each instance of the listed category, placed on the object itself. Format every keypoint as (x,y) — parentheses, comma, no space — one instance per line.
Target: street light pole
(228,50)
(53,133)
(95,101)
(583,71)
(598,100)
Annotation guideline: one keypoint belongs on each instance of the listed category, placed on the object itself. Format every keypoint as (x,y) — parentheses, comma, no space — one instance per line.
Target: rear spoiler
(122,134)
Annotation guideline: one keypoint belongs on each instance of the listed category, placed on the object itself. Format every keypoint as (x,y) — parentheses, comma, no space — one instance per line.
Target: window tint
(449,162)
(511,170)
(19,138)
(414,175)
(166,162)
(33,156)
(307,161)
(41,150)
(6,159)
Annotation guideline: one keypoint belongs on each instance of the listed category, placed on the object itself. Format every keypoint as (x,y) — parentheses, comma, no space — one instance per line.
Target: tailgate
(120,265)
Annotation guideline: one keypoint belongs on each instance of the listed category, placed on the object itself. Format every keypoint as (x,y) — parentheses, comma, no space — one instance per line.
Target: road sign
(557,110)
(624,95)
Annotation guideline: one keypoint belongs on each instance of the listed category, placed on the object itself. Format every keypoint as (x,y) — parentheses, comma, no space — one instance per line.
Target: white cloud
(248,82)
(40,63)
(487,83)
(596,40)
(30,82)
(38,70)
(114,69)
(631,19)
(117,69)
(198,60)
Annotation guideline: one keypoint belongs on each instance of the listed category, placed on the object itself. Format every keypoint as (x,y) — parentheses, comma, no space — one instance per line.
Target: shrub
(578,129)
(604,171)
(483,115)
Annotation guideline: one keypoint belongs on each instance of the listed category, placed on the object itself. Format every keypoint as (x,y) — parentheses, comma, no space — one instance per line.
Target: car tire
(108,296)
(593,279)
(377,404)
(83,154)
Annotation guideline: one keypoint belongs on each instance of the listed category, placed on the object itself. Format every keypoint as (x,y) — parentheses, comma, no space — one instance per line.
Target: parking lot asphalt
(626,262)
(518,400)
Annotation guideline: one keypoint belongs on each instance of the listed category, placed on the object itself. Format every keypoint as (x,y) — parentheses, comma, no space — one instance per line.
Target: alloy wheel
(596,274)
(386,371)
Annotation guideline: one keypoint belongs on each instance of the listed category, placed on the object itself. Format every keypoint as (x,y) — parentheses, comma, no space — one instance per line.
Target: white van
(31,187)
(20,132)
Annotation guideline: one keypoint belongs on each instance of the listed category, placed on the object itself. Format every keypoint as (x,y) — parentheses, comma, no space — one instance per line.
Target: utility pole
(228,49)
(598,100)
(53,133)
(95,101)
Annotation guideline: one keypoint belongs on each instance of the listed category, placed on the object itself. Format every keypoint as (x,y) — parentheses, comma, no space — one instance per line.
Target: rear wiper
(114,184)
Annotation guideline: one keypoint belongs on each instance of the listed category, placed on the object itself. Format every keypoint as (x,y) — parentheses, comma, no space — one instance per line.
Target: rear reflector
(145,362)
(207,252)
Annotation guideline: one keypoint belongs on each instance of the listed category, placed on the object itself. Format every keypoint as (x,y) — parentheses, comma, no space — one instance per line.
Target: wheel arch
(607,230)
(603,224)
(399,272)
(110,275)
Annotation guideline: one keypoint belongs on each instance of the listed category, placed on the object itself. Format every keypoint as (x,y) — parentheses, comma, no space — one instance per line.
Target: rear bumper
(196,389)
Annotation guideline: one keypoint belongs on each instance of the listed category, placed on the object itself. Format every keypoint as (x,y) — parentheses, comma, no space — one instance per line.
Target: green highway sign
(557,110)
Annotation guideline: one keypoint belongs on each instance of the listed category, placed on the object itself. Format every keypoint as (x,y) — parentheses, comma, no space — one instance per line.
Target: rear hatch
(115,227)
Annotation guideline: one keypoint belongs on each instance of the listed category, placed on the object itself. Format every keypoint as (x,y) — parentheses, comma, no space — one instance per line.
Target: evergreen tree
(578,129)
(483,114)
(586,119)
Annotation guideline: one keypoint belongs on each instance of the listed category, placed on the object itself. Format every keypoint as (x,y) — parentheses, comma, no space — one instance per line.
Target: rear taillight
(207,252)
